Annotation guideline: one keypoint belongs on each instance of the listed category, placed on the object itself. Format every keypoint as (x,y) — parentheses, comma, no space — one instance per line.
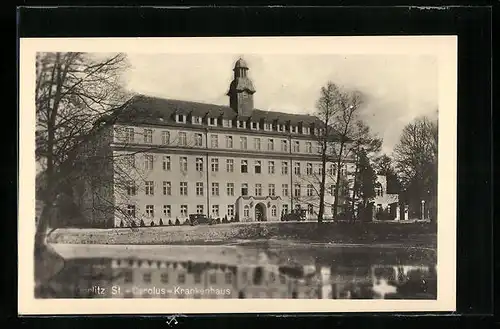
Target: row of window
(214,165)
(244,124)
(200,187)
(181,277)
(200,209)
(182,140)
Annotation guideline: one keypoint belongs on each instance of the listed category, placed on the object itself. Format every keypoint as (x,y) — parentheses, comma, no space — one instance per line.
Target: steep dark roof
(146,108)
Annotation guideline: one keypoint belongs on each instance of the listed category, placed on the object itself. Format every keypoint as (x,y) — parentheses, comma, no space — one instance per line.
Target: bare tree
(416,157)
(72,91)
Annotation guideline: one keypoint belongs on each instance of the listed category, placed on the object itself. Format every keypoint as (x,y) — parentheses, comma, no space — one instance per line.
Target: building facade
(171,158)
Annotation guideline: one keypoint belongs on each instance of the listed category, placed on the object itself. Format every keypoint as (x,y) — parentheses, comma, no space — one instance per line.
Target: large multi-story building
(166,159)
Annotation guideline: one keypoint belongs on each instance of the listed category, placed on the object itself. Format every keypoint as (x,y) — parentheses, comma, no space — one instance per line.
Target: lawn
(409,234)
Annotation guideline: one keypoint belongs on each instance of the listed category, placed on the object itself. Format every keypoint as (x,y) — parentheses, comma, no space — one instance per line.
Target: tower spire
(241,89)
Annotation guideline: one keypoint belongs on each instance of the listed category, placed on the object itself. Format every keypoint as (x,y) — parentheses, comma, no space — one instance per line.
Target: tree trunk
(322,186)
(337,181)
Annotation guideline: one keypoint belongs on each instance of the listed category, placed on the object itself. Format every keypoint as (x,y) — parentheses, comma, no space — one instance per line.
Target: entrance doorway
(260,212)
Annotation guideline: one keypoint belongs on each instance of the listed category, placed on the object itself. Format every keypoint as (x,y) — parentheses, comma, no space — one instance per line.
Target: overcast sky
(398,87)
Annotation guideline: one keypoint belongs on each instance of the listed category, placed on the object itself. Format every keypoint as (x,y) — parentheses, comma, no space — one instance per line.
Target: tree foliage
(416,156)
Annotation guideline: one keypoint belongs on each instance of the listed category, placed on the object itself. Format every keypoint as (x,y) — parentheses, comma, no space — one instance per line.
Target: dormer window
(242,124)
(267,127)
(293,129)
(227,123)
(281,127)
(180,118)
(305,130)
(254,125)
(196,120)
(212,121)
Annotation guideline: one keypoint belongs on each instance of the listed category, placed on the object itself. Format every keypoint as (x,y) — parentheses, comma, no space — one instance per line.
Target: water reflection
(251,272)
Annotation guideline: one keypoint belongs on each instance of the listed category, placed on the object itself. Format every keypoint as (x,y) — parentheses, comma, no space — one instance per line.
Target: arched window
(246,211)
(273,211)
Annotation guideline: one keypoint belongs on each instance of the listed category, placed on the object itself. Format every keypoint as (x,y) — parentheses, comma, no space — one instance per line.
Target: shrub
(227,221)
(161,222)
(237,218)
(170,222)
(132,224)
(233,220)
(177,222)
(186,222)
(121,223)
(152,223)
(142,223)
(224,220)
(217,220)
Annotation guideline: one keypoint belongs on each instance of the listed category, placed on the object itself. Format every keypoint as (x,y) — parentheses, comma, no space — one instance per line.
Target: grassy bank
(413,234)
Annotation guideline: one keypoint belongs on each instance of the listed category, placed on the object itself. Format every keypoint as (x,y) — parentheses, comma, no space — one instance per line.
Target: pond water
(263,269)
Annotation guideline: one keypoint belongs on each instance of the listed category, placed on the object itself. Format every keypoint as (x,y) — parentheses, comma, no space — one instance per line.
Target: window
(244,189)
(305,130)
(296,146)
(180,118)
(285,209)
(215,189)
(130,160)
(131,190)
(148,162)
(258,189)
(199,188)
(318,148)
(256,144)
(243,143)
(148,136)
(198,140)
(213,278)
(183,163)
(246,211)
(229,142)
(182,139)
(164,278)
(165,137)
(310,190)
(183,188)
(167,210)
(229,165)
(310,209)
(227,123)
(267,126)
(309,169)
(184,210)
(244,166)
(258,167)
(320,169)
(270,144)
(150,188)
(199,209)
(284,168)
(332,189)
(181,278)
(254,125)
(284,146)
(242,124)
(272,190)
(196,120)
(215,210)
(129,135)
(212,121)
(230,189)
(284,189)
(146,277)
(214,165)
(308,147)
(228,277)
(297,190)
(274,211)
(166,163)
(214,141)
(296,169)
(167,188)
(199,164)
(150,210)
(197,279)
(332,169)
(131,210)
(230,210)
(270,167)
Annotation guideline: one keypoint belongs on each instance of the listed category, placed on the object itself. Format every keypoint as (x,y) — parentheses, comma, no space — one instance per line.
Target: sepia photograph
(229,169)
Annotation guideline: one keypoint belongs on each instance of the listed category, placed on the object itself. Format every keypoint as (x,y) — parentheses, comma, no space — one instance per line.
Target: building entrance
(260,212)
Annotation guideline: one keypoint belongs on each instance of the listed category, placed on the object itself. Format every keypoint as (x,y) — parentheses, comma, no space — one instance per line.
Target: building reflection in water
(139,278)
